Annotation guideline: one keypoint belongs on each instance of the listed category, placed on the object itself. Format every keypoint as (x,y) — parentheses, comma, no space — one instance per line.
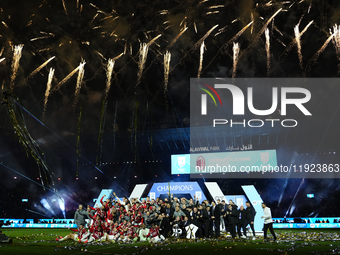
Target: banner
(306,225)
(39,225)
(191,188)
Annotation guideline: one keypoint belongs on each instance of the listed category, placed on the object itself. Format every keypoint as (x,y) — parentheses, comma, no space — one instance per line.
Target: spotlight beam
(60,138)
(27,178)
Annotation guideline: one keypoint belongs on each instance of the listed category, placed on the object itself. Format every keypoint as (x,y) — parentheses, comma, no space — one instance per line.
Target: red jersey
(80,233)
(130,232)
(107,204)
(139,219)
(113,231)
(97,235)
(153,232)
(96,223)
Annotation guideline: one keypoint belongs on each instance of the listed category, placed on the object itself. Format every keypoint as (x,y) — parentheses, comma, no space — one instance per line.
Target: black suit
(195,219)
(186,223)
(210,224)
(249,218)
(232,221)
(168,212)
(205,219)
(165,226)
(216,213)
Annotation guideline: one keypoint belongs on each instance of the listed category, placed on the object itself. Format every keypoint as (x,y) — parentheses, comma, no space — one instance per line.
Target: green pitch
(42,241)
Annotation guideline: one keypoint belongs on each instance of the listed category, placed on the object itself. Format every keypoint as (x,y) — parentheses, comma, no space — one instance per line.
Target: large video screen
(180,164)
(240,161)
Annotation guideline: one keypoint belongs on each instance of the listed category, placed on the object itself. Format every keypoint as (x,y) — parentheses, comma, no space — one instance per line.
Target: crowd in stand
(154,220)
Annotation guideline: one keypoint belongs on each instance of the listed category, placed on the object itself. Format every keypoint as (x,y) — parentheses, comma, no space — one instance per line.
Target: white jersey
(267,215)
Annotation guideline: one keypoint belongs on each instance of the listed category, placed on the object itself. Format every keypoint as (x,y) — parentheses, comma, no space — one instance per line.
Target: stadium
(169,126)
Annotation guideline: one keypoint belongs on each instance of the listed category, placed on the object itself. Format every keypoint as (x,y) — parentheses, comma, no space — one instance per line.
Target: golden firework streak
(317,54)
(39,68)
(167,58)
(268,49)
(17,52)
(264,27)
(48,89)
(143,52)
(298,43)
(336,42)
(236,51)
(177,37)
(109,71)
(201,60)
(79,81)
(67,78)
(65,9)
(204,37)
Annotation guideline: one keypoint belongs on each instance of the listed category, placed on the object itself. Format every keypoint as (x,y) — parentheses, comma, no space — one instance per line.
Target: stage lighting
(15,177)
(47,206)
(95,178)
(62,206)
(310,195)
(24,200)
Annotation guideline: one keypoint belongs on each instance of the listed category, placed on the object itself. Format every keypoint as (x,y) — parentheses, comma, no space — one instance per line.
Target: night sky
(76,131)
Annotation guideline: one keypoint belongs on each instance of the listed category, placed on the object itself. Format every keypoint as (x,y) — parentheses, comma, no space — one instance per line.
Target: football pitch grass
(302,241)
